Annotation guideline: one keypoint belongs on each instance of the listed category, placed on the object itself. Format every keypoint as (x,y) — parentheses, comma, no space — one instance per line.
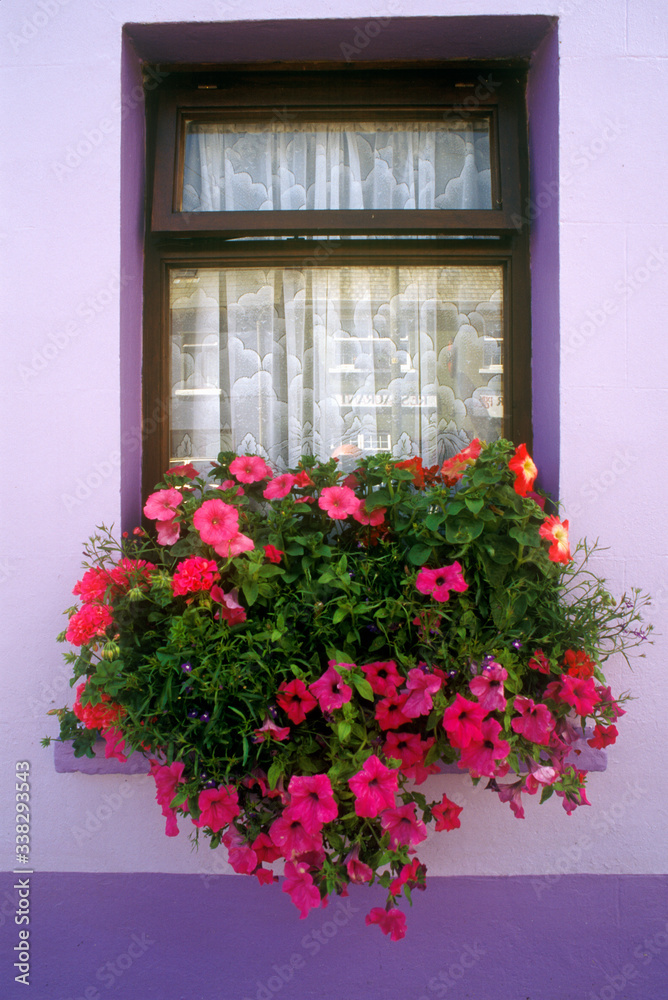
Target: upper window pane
(337,165)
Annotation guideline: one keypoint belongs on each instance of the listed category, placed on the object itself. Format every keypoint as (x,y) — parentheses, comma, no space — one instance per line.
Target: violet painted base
(190,937)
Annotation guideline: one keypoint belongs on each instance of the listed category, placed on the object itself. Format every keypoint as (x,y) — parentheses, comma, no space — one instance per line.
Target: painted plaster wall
(65,362)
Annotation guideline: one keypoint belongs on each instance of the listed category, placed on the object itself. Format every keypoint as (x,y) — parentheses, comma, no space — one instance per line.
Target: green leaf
(362,686)
(343,730)
(475,505)
(251,590)
(419,554)
(274,773)
(339,615)
(434,521)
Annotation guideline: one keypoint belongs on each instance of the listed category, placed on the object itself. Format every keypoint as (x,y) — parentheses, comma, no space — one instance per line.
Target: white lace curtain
(327,166)
(289,361)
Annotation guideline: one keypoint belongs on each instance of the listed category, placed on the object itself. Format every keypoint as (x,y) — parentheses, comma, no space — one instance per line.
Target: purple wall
(179,937)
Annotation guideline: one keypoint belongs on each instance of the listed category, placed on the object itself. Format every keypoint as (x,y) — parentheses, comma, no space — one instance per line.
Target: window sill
(584,757)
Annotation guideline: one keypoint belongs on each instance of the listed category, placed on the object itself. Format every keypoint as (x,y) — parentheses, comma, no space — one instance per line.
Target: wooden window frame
(182,239)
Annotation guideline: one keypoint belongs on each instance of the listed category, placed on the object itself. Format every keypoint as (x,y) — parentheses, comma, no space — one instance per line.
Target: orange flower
(525,471)
(454,468)
(578,664)
(557,533)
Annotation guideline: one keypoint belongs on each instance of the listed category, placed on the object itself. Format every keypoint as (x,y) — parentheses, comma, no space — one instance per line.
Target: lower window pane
(340,361)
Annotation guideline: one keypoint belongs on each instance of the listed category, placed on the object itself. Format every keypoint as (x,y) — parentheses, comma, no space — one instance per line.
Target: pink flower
(421,686)
(358,872)
(383,677)
(265,849)
(338,502)
(312,801)
(607,705)
(579,692)
(480,756)
(372,518)
(462,721)
(540,662)
(161,505)
(540,775)
(129,573)
(193,574)
(536,722)
(407,747)
(295,699)
(488,687)
(168,532)
(231,611)
(447,815)
(273,554)
(114,741)
(375,787)
(299,884)
(234,546)
(403,826)
(218,807)
(216,521)
(289,834)
(88,622)
(279,487)
(250,469)
(269,728)
(330,690)
(439,582)
(167,779)
(413,874)
(242,858)
(392,922)
(513,795)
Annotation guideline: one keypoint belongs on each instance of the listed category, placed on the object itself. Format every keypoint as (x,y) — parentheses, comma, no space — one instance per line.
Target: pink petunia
(167,779)
(403,826)
(161,505)
(250,469)
(439,582)
(312,801)
(234,546)
(265,849)
(412,875)
(279,487)
(330,690)
(188,470)
(383,676)
(409,748)
(168,532)
(604,736)
(446,814)
(462,721)
(512,794)
(295,699)
(291,837)
(216,521)
(374,787)
(420,686)
(269,728)
(231,611)
(480,756)
(535,722)
(488,687)
(115,747)
(218,807)
(392,922)
(540,662)
(372,518)
(390,713)
(299,884)
(338,502)
(539,776)
(580,693)
(241,856)
(358,871)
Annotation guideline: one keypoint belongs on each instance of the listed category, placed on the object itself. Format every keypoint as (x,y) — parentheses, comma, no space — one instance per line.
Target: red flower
(481,755)
(92,586)
(188,470)
(540,662)
(414,465)
(581,694)
(604,736)
(269,728)
(167,779)
(373,518)
(389,711)
(413,874)
(383,677)
(454,468)
(578,664)
(557,533)
(525,471)
(193,574)
(273,554)
(462,721)
(447,815)
(87,623)
(295,699)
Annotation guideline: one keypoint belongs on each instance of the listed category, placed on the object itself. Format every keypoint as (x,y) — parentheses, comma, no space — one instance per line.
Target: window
(334,266)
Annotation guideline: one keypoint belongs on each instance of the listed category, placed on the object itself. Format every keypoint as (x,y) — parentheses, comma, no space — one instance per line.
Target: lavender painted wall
(72,168)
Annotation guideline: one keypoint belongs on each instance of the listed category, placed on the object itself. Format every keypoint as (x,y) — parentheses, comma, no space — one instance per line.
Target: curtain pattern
(327,166)
(289,361)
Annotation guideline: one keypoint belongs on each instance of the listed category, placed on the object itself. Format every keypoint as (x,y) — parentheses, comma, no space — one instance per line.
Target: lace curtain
(327,166)
(323,360)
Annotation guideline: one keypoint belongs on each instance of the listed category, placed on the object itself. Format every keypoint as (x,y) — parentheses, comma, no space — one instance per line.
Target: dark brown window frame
(178,239)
